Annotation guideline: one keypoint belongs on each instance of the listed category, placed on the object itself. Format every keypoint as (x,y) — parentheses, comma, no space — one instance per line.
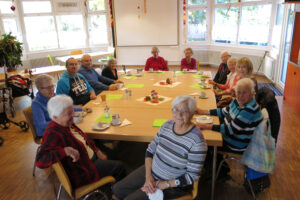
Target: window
(242,22)
(196,23)
(8,22)
(57,24)
(97,22)
(276,35)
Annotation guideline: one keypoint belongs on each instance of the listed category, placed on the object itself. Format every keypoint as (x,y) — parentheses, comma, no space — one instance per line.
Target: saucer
(204,120)
(203,97)
(100,126)
(138,75)
(116,124)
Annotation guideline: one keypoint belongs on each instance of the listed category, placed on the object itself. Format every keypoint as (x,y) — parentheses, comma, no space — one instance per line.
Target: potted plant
(10,52)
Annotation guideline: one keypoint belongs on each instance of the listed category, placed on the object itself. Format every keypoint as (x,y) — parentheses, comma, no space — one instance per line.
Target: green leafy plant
(10,51)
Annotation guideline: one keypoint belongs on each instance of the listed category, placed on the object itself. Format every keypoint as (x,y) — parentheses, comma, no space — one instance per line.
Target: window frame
(208,20)
(19,16)
(240,5)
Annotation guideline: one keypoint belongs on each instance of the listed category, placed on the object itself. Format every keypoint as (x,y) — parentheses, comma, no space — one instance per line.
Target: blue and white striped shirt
(177,156)
(238,123)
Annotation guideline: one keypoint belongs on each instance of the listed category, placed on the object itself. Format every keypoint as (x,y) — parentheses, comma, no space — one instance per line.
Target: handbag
(260,153)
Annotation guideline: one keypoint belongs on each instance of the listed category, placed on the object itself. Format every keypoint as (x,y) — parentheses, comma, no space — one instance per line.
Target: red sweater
(55,138)
(158,63)
(189,66)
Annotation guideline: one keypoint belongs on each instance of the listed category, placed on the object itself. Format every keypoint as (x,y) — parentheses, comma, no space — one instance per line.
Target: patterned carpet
(271,87)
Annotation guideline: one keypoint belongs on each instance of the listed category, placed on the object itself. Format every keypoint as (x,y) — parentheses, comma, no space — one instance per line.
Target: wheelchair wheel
(23,125)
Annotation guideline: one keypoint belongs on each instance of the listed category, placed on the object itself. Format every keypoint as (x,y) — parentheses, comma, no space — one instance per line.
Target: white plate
(204,120)
(100,126)
(116,124)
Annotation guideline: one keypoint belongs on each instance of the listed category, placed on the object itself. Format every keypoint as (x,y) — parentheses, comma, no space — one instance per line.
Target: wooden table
(142,115)
(97,54)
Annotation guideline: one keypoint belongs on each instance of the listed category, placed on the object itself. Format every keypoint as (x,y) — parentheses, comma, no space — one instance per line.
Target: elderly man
(238,120)
(223,70)
(45,85)
(98,82)
(63,141)
(174,159)
(75,85)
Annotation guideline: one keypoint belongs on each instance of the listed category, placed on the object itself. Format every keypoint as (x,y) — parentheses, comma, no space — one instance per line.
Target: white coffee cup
(115,119)
(77,118)
(203,94)
(151,69)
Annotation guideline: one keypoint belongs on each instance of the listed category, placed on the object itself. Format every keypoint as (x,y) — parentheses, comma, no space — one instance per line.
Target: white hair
(191,102)
(245,83)
(155,48)
(57,104)
(42,79)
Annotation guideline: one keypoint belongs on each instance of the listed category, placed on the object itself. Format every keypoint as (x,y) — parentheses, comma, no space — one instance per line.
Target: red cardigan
(189,66)
(158,63)
(55,138)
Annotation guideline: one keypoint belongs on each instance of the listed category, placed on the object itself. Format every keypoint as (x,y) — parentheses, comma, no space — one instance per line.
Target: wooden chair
(76,52)
(198,65)
(50,60)
(29,118)
(85,191)
(192,195)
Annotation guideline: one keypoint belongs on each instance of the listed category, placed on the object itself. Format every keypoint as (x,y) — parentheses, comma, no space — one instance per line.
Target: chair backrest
(50,60)
(63,178)
(29,118)
(195,189)
(76,52)
(198,65)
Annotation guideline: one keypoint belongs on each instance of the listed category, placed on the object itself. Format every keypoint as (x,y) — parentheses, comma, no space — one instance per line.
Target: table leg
(213,173)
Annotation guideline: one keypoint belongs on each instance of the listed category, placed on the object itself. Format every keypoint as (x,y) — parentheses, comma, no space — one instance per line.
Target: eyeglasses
(182,112)
(48,87)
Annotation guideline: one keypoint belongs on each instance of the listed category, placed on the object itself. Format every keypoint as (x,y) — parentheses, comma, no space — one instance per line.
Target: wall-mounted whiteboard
(157,26)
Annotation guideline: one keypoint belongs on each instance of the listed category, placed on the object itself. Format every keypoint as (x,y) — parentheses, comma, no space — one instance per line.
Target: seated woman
(174,158)
(238,120)
(188,62)
(245,69)
(232,78)
(45,85)
(111,70)
(63,141)
(156,62)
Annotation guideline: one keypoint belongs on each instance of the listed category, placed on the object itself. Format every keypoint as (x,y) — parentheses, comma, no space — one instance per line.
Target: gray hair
(191,102)
(57,104)
(246,83)
(42,79)
(111,60)
(154,48)
(225,52)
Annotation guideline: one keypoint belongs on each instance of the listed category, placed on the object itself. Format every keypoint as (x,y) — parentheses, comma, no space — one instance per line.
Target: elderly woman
(239,119)
(63,141)
(174,158)
(44,84)
(232,78)
(245,69)
(188,62)
(156,62)
(111,70)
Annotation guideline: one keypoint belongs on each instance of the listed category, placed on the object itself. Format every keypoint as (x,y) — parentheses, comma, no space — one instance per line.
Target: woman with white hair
(45,85)
(111,70)
(63,141)
(174,158)
(156,63)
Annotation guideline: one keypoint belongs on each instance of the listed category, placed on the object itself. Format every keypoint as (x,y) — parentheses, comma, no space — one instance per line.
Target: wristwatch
(177,182)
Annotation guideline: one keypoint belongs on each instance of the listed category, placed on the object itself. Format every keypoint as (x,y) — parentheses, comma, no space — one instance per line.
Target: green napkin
(158,122)
(197,76)
(179,73)
(162,72)
(130,77)
(103,119)
(196,86)
(135,85)
(114,96)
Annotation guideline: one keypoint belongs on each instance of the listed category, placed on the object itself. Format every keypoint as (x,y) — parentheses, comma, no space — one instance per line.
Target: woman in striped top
(174,158)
